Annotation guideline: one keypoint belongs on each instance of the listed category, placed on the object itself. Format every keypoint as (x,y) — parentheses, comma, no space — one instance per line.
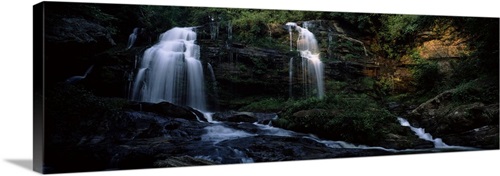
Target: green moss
(266,105)
(72,112)
(351,117)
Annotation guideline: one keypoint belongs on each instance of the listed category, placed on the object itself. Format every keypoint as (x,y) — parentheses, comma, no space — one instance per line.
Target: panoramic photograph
(145,86)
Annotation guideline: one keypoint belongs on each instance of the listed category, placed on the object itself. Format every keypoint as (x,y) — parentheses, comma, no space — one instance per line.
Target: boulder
(485,137)
(469,124)
(400,142)
(182,161)
(167,109)
(232,116)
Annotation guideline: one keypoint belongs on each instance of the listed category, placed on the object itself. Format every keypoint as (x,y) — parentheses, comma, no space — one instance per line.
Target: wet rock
(443,118)
(485,137)
(400,142)
(167,109)
(343,70)
(182,161)
(273,148)
(233,116)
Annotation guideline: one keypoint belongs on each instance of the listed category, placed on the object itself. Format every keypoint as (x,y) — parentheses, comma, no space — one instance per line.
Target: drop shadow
(24,163)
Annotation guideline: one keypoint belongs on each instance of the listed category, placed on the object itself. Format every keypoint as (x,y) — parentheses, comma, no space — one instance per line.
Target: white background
(16,96)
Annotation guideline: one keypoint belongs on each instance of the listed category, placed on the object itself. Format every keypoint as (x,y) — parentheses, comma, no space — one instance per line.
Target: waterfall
(312,67)
(290,25)
(214,85)
(229,31)
(354,40)
(290,75)
(214,28)
(420,132)
(75,79)
(132,37)
(171,71)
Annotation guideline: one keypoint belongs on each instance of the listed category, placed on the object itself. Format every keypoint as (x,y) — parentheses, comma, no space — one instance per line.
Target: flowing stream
(172,71)
(229,141)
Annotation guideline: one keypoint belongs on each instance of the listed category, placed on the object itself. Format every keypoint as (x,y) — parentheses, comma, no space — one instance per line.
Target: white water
(75,79)
(219,133)
(132,37)
(229,31)
(312,67)
(290,25)
(171,71)
(420,132)
(214,28)
(290,76)
(273,131)
(214,81)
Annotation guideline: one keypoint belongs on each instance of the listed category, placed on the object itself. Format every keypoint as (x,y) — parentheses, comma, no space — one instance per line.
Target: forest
(164,86)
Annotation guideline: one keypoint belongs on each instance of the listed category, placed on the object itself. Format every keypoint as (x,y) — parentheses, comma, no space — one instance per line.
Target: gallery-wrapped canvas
(121,86)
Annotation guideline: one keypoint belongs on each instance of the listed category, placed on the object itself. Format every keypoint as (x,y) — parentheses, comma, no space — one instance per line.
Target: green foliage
(427,76)
(335,86)
(266,105)
(368,83)
(400,25)
(365,22)
(478,90)
(91,12)
(72,111)
(386,84)
(397,33)
(350,117)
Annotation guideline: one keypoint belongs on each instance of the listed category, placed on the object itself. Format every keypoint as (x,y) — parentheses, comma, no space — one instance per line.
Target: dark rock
(182,161)
(400,142)
(400,137)
(232,116)
(485,137)
(273,148)
(79,32)
(446,119)
(343,70)
(165,109)
(459,124)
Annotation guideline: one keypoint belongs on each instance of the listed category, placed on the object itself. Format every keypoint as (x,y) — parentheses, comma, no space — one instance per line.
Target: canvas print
(121,86)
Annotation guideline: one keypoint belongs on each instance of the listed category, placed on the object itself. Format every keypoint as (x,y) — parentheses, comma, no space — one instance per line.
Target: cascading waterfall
(171,71)
(75,79)
(132,37)
(420,132)
(214,28)
(214,85)
(289,26)
(290,75)
(229,31)
(312,67)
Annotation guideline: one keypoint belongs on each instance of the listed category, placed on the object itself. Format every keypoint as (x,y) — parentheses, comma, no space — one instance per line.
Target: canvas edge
(38,86)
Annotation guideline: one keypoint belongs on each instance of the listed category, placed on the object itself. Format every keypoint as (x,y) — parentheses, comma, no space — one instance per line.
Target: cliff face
(245,71)
(249,70)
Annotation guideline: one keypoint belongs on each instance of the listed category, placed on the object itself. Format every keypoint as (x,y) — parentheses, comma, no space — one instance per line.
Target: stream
(244,142)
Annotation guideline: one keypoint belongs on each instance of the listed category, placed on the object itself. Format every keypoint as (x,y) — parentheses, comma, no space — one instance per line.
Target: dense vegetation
(353,110)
